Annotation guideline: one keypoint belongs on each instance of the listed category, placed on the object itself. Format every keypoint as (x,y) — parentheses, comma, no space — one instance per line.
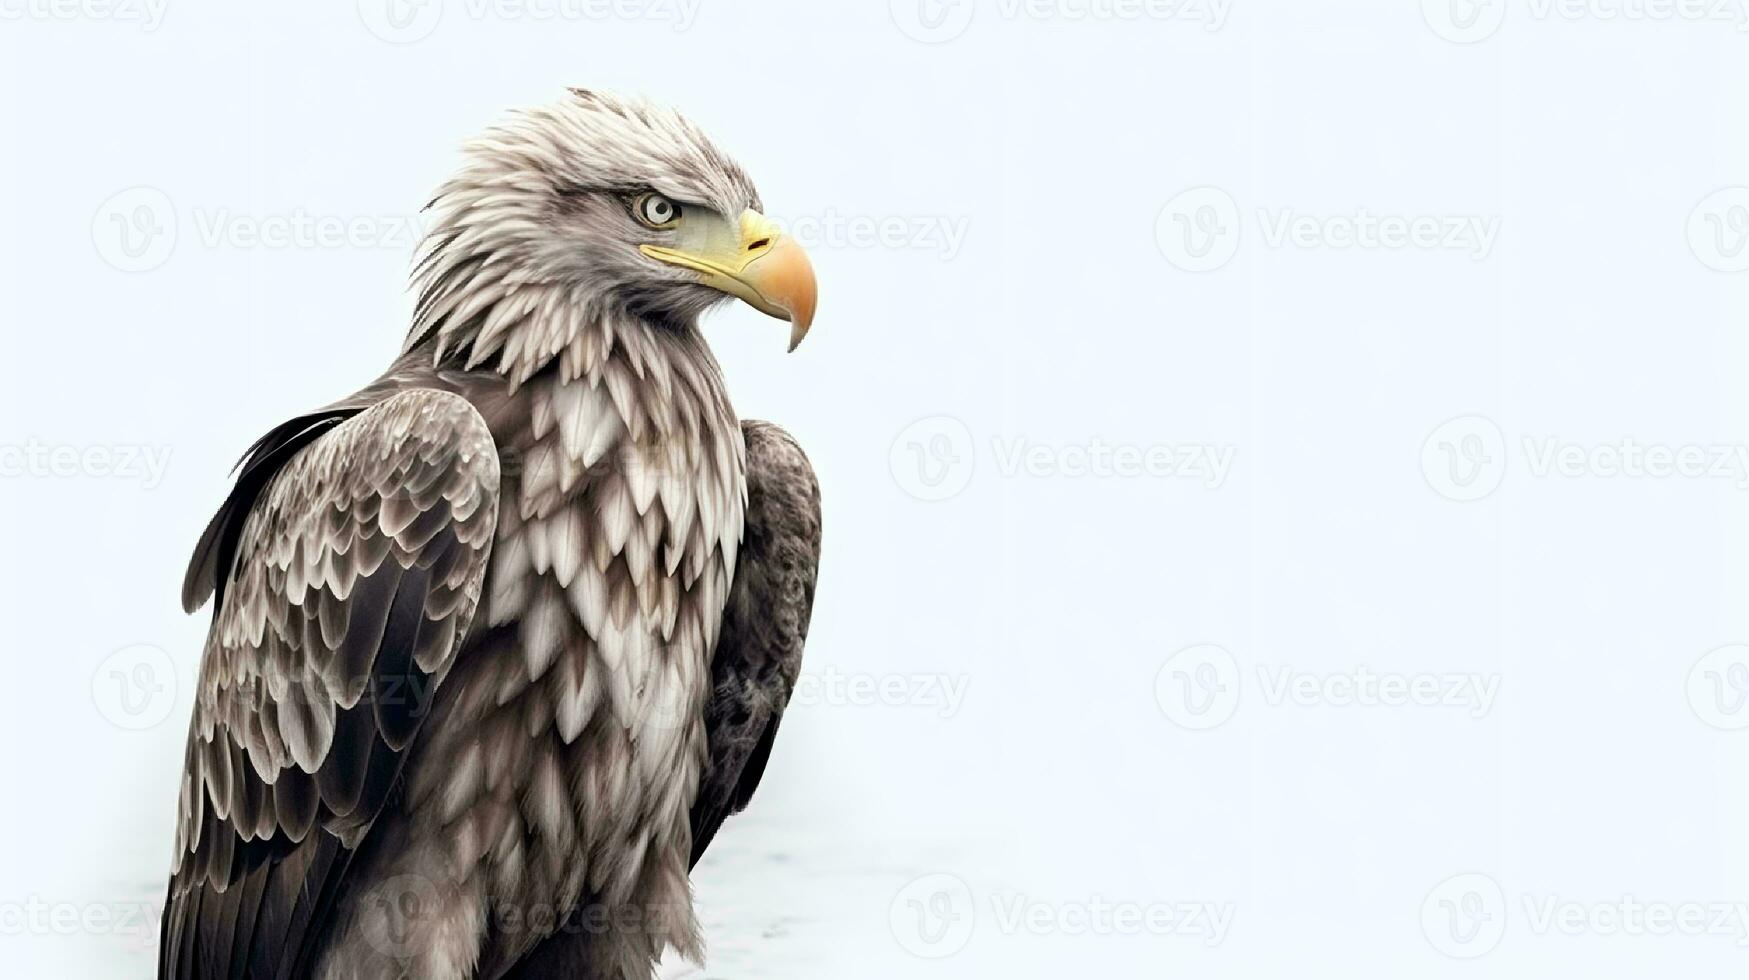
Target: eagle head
(591,205)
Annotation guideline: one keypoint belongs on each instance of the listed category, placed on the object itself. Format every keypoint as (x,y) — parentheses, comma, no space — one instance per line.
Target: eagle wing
(759,650)
(348,565)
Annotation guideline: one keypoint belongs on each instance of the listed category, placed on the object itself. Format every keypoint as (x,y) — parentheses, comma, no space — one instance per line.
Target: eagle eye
(655,210)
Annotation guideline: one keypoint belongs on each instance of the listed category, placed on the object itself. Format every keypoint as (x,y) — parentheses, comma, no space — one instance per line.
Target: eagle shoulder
(349,585)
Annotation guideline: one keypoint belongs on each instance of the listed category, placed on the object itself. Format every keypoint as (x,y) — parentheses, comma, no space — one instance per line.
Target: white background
(1055,143)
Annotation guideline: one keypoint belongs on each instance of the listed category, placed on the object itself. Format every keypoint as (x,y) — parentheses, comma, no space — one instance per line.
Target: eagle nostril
(756,246)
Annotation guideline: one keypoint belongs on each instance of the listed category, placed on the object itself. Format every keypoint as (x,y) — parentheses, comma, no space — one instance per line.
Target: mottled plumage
(500,640)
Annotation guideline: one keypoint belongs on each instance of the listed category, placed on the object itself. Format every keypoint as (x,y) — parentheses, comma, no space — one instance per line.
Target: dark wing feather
(218,544)
(351,572)
(759,651)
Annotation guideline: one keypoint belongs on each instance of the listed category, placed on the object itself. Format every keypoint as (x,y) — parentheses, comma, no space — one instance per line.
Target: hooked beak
(763,267)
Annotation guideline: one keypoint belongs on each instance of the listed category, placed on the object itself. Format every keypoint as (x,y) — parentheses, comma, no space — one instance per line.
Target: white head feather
(532,252)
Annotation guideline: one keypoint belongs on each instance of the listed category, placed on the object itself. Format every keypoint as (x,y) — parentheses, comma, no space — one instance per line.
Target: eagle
(499,641)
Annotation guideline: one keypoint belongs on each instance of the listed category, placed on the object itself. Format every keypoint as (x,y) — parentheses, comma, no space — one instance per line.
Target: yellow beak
(763,267)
